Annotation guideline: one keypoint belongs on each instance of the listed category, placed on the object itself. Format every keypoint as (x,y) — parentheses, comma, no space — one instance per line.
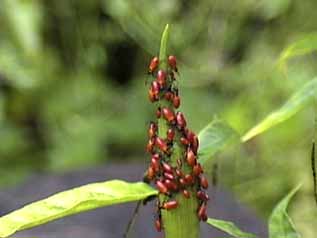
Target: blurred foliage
(72,91)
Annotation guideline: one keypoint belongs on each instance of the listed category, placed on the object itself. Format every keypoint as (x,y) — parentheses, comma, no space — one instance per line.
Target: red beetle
(176,101)
(182,182)
(170,134)
(180,120)
(150,173)
(155,164)
(202,196)
(161,187)
(191,158)
(170,205)
(202,212)
(150,145)
(167,168)
(169,176)
(172,62)
(158,224)
(195,144)
(154,91)
(186,193)
(204,217)
(152,96)
(152,129)
(168,114)
(168,96)
(161,144)
(171,185)
(197,170)
(189,178)
(156,157)
(155,87)
(204,182)
(179,173)
(184,141)
(190,136)
(153,65)
(161,78)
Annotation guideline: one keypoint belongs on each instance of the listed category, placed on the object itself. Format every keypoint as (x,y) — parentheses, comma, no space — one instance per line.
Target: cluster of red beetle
(169,179)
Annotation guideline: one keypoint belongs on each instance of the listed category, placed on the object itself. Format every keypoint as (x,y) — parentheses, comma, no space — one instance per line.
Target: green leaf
(214,137)
(229,228)
(280,224)
(304,46)
(299,100)
(73,201)
(163,47)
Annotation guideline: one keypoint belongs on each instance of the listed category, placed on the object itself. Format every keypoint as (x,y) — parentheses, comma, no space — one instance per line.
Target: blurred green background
(73,94)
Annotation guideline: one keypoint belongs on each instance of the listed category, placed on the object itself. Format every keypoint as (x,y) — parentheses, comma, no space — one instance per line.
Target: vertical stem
(181,222)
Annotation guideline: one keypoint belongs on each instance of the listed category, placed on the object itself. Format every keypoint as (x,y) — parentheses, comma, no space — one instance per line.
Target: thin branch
(132,220)
(313,166)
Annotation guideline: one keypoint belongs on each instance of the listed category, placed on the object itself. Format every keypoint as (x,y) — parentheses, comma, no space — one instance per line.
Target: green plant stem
(181,222)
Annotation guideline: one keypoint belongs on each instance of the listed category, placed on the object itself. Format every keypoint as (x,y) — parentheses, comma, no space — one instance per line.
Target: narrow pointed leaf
(303,46)
(73,201)
(163,47)
(214,137)
(280,224)
(298,100)
(230,228)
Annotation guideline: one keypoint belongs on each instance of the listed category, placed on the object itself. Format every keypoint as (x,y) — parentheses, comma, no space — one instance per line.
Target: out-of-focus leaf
(229,227)
(299,99)
(73,201)
(273,8)
(214,137)
(303,46)
(280,224)
(133,24)
(19,72)
(25,21)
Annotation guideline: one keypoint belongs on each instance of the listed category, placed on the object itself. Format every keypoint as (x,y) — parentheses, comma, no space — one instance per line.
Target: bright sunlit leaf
(298,100)
(304,46)
(229,227)
(280,224)
(214,137)
(73,201)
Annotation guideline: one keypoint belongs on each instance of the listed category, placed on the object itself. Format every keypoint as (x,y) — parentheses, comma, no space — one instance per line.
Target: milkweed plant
(177,158)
